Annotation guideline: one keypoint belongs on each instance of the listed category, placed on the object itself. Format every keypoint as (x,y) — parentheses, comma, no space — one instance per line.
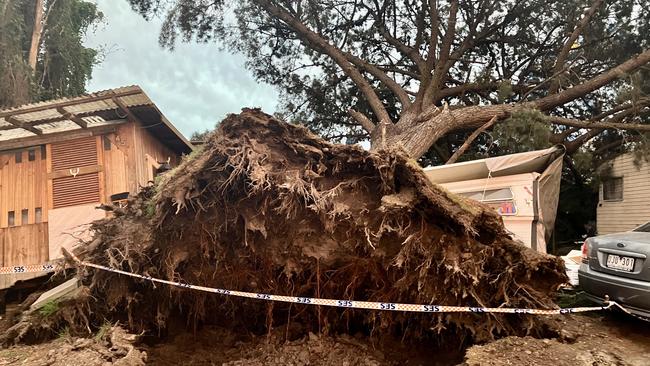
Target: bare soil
(605,340)
(586,340)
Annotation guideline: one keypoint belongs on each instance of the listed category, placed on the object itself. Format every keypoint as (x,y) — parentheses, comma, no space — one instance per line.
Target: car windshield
(644,228)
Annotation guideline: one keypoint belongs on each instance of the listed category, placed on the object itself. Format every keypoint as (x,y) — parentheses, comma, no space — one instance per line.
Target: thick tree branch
(597,125)
(315,41)
(410,52)
(597,82)
(433,39)
(461,150)
(445,50)
(364,121)
(573,145)
(375,71)
(36,34)
(573,37)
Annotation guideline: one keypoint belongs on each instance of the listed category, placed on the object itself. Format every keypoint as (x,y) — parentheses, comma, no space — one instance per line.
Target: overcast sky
(195,86)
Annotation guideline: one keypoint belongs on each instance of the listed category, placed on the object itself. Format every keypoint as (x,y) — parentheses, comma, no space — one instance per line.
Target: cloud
(195,85)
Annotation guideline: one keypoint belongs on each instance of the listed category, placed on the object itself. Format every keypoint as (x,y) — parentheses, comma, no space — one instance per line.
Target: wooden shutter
(74,154)
(70,158)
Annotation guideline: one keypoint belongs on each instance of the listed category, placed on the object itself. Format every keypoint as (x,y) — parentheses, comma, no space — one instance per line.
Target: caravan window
(501,194)
(613,189)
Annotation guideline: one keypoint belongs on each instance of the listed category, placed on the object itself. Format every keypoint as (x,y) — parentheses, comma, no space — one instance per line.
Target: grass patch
(103,332)
(150,209)
(573,299)
(49,308)
(64,333)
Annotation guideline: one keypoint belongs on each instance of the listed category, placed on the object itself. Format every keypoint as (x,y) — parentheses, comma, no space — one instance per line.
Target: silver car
(618,265)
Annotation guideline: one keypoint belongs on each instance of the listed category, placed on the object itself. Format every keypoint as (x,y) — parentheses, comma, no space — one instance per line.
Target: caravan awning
(528,162)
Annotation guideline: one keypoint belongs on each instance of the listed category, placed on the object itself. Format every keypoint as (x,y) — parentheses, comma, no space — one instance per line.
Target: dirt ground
(586,340)
(606,340)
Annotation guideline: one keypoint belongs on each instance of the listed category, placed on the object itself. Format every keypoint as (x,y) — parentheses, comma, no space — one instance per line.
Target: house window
(11,218)
(43,152)
(38,215)
(613,189)
(24,216)
(31,155)
(19,157)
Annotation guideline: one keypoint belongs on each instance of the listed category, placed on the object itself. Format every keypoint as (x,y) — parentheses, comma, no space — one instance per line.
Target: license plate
(621,263)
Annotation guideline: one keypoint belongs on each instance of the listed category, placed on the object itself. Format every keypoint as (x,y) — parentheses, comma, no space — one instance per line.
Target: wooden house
(60,159)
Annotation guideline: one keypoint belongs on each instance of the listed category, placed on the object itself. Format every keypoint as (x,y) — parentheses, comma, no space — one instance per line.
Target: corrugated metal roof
(59,115)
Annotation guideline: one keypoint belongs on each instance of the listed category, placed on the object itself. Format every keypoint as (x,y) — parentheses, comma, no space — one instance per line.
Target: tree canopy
(42,55)
(419,73)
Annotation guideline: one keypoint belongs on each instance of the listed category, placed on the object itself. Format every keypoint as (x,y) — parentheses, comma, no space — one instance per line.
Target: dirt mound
(269,207)
(220,346)
(112,346)
(585,341)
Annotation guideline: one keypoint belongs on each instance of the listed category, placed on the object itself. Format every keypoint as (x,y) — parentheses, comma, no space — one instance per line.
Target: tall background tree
(420,74)
(437,76)
(42,55)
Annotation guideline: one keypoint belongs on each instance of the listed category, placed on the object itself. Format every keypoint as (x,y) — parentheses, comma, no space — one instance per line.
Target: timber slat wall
(73,191)
(118,158)
(75,165)
(74,154)
(146,144)
(23,186)
(24,245)
(58,176)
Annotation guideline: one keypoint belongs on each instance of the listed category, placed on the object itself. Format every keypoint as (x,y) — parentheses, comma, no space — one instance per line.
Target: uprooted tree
(269,207)
(412,72)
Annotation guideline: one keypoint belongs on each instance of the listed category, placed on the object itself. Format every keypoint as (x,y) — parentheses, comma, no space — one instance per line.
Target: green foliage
(64,333)
(521,43)
(525,130)
(63,66)
(15,75)
(49,308)
(200,135)
(505,91)
(103,332)
(150,208)
(572,299)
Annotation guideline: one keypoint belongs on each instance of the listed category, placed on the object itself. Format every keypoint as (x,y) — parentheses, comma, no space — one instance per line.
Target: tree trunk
(416,133)
(36,34)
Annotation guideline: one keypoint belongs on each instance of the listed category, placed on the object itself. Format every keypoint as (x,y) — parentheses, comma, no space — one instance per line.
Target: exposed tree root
(270,207)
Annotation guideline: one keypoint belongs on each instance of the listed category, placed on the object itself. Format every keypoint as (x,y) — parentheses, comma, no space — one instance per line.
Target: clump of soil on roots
(269,207)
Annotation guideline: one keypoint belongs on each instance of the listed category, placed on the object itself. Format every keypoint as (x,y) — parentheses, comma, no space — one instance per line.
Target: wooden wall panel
(74,154)
(146,145)
(23,186)
(118,161)
(24,245)
(76,176)
(72,191)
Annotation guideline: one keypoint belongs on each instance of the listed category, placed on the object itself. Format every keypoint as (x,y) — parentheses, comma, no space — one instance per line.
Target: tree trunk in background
(36,34)
(416,134)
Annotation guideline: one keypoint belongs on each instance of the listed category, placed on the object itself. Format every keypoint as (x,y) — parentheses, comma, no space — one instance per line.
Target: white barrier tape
(353,304)
(45,267)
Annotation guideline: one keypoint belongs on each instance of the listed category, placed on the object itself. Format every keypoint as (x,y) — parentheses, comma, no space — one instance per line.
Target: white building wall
(634,209)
